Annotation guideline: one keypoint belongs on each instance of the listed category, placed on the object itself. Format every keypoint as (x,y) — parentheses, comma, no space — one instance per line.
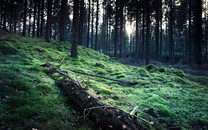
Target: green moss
(162,69)
(45,88)
(162,110)
(21,85)
(170,84)
(55,75)
(151,68)
(121,76)
(142,72)
(100,71)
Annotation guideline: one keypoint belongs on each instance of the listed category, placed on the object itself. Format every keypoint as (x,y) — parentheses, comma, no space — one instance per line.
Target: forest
(104,64)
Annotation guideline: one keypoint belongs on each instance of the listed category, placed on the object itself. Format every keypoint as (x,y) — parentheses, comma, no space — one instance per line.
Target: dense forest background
(164,30)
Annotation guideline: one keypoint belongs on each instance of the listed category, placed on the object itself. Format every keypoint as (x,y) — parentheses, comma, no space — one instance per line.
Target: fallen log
(121,81)
(101,113)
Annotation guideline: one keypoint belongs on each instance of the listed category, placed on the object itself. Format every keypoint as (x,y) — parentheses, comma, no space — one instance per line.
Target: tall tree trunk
(74,52)
(38,20)
(42,18)
(92,25)
(11,15)
(15,18)
(96,37)
(143,28)
(116,30)
(88,32)
(161,24)
(137,30)
(147,32)
(121,28)
(63,20)
(34,18)
(198,42)
(5,15)
(48,26)
(190,34)
(30,16)
(81,22)
(2,13)
(25,19)
(157,29)
(171,45)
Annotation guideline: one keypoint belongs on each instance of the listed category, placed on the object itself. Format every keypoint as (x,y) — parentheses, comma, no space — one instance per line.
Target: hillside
(29,98)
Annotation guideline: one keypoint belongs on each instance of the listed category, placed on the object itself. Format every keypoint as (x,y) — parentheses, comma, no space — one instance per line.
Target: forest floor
(29,98)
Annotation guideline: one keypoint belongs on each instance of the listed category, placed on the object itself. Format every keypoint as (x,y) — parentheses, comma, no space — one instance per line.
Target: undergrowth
(30,98)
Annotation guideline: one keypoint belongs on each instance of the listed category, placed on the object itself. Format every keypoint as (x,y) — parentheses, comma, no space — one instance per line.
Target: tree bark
(42,18)
(116,30)
(5,15)
(74,52)
(161,30)
(147,32)
(30,16)
(157,18)
(88,32)
(34,18)
(25,18)
(63,20)
(38,20)
(96,37)
(121,28)
(137,30)
(48,26)
(171,45)
(92,25)
(81,18)
(198,43)
(143,29)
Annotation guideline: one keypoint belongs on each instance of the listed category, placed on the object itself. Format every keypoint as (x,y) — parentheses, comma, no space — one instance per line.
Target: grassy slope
(164,95)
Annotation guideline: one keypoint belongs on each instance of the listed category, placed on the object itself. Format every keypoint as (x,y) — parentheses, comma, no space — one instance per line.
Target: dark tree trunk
(147,32)
(88,30)
(116,30)
(171,45)
(48,26)
(15,18)
(5,15)
(161,30)
(190,34)
(92,25)
(143,28)
(157,30)
(34,18)
(63,20)
(137,30)
(2,13)
(81,22)
(30,16)
(42,18)
(121,28)
(11,15)
(96,37)
(25,19)
(38,20)
(198,42)
(74,52)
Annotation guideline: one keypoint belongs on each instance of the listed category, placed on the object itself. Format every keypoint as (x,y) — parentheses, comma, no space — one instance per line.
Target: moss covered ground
(29,98)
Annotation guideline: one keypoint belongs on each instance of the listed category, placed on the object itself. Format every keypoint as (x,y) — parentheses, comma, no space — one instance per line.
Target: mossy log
(120,81)
(101,113)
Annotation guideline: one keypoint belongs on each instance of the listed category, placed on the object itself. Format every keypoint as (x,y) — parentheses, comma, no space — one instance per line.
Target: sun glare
(128,28)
